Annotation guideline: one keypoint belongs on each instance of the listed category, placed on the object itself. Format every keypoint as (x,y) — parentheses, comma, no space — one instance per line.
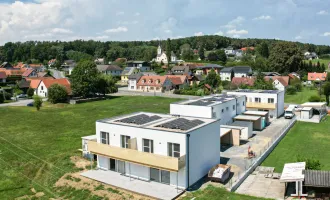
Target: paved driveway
(22,102)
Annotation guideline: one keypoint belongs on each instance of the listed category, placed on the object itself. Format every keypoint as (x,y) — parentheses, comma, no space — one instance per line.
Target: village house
(127,72)
(195,79)
(154,84)
(42,89)
(68,66)
(227,73)
(142,66)
(178,81)
(279,82)
(242,71)
(204,70)
(180,70)
(3,77)
(30,73)
(6,65)
(239,81)
(313,76)
(112,70)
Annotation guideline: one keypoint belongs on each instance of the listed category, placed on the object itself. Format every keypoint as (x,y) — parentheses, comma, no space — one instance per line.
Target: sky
(305,21)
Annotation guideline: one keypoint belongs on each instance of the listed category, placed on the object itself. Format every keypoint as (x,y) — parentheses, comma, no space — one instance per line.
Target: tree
(261,83)
(213,79)
(187,54)
(30,92)
(326,91)
(311,163)
(263,50)
(84,79)
(37,102)
(260,64)
(57,94)
(212,56)
(168,51)
(2,97)
(107,84)
(285,57)
(328,77)
(222,56)
(201,52)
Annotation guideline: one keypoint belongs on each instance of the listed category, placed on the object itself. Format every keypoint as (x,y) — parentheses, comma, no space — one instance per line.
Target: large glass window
(174,150)
(148,145)
(270,100)
(104,138)
(125,141)
(257,99)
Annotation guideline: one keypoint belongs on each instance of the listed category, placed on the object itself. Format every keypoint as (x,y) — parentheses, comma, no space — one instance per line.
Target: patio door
(154,175)
(121,166)
(160,176)
(165,175)
(112,164)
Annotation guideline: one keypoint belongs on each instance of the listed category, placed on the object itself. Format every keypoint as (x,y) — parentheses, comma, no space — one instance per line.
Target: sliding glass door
(160,176)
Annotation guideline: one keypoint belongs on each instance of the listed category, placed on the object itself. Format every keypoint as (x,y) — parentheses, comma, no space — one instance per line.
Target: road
(57,74)
(22,102)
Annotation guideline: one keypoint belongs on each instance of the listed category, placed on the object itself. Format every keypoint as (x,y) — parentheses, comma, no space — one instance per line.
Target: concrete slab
(151,189)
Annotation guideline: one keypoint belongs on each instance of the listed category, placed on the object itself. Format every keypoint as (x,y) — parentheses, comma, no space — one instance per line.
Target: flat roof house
(175,152)
(223,107)
(142,66)
(263,100)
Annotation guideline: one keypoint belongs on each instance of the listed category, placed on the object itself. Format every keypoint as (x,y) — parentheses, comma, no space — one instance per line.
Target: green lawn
(214,193)
(54,134)
(307,139)
(301,97)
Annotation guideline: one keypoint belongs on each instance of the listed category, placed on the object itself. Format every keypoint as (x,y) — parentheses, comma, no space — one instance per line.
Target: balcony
(271,106)
(137,157)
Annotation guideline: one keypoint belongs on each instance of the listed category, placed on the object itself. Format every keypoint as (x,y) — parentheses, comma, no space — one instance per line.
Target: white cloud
(322,12)
(199,34)
(61,31)
(263,17)
(234,23)
(117,30)
(236,36)
(298,37)
(120,13)
(219,33)
(326,34)
(168,31)
(137,14)
(235,32)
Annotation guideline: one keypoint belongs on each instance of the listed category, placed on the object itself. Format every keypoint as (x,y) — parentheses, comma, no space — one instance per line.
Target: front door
(112,164)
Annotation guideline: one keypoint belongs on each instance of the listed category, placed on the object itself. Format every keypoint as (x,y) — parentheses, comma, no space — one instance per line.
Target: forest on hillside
(37,51)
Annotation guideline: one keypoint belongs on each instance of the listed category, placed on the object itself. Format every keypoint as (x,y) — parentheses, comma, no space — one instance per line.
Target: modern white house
(142,66)
(177,151)
(263,100)
(224,107)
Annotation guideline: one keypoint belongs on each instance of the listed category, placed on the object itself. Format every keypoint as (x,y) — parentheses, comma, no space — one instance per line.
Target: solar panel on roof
(139,119)
(181,124)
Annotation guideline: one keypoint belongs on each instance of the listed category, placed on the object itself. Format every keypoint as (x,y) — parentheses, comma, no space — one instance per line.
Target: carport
(230,136)
(246,128)
(293,172)
(263,114)
(312,112)
(257,120)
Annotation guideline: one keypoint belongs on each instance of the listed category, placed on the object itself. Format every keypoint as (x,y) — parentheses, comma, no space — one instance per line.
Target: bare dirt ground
(35,195)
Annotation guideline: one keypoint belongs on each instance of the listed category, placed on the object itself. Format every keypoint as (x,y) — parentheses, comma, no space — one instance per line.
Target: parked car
(21,96)
(30,104)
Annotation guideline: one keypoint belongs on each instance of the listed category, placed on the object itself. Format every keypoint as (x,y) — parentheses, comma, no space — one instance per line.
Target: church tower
(159,50)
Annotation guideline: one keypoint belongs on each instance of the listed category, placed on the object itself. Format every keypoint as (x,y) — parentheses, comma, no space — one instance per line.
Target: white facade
(221,107)
(263,100)
(161,56)
(199,144)
(132,84)
(41,90)
(225,76)
(278,85)
(241,74)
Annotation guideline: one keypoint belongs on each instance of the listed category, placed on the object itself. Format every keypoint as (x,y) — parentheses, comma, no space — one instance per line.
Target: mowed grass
(301,97)
(215,193)
(306,139)
(50,137)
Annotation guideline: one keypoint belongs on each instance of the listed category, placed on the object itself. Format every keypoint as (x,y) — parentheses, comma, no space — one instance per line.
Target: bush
(2,99)
(291,90)
(314,98)
(7,95)
(311,163)
(30,92)
(37,102)
(298,87)
(57,94)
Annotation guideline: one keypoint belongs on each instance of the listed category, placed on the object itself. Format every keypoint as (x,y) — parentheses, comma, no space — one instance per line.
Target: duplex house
(224,107)
(263,100)
(175,151)
(3,77)
(227,73)
(142,66)
(154,84)
(112,70)
(42,89)
(242,71)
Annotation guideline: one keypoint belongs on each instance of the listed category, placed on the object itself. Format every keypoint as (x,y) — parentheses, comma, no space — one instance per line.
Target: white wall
(42,91)
(280,104)
(240,74)
(204,151)
(228,112)
(278,85)
(241,105)
(160,140)
(225,76)
(132,84)
(191,110)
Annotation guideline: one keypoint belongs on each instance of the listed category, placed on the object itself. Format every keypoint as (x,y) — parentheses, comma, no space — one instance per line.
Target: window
(104,138)
(125,141)
(233,107)
(173,150)
(222,110)
(227,108)
(270,100)
(257,99)
(132,87)
(42,87)
(243,103)
(148,145)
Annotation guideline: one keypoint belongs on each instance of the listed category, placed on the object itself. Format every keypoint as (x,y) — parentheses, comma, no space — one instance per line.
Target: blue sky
(295,20)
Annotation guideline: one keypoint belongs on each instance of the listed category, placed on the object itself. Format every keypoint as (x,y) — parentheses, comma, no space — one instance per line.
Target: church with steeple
(161,56)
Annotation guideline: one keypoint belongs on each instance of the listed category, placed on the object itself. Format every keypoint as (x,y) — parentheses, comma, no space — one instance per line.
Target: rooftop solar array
(212,100)
(181,124)
(139,119)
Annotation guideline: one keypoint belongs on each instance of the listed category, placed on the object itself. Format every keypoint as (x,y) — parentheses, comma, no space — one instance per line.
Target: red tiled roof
(27,72)
(35,65)
(317,76)
(61,81)
(177,79)
(242,81)
(39,78)
(282,79)
(245,48)
(151,81)
(34,83)
(3,75)
(12,72)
